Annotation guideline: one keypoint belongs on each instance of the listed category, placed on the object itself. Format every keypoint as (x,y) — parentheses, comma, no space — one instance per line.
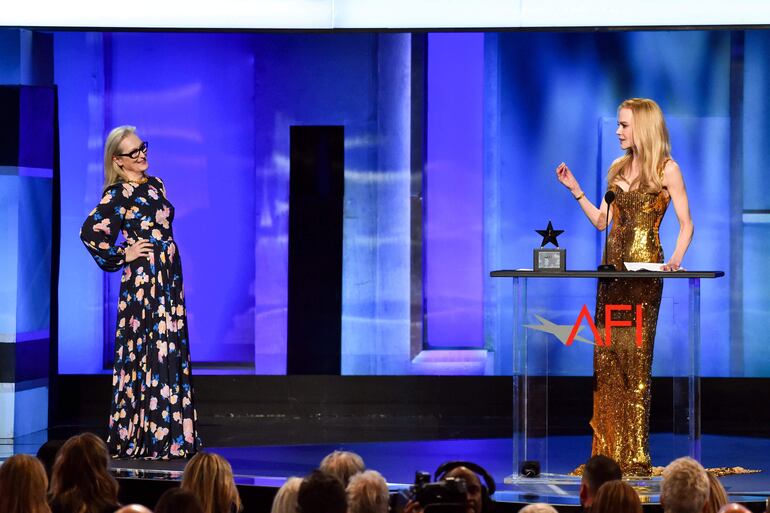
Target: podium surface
(535,348)
(529,273)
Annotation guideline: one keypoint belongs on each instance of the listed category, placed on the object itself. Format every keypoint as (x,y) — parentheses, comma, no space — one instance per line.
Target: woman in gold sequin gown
(645,179)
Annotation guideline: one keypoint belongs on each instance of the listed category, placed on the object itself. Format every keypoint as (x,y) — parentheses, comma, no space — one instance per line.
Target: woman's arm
(597,216)
(100,232)
(673,181)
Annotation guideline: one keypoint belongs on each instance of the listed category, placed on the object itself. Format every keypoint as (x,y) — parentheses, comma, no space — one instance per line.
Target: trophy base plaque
(550,259)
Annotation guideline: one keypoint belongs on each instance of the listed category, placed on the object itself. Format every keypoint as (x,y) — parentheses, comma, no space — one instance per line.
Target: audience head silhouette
(685,487)
(23,485)
(47,454)
(134,508)
(734,508)
(597,471)
(538,507)
(616,497)
(474,496)
(178,500)
(321,493)
(210,477)
(343,465)
(367,493)
(285,500)
(80,480)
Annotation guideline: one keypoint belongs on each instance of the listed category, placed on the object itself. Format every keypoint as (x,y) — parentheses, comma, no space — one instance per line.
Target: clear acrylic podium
(546,306)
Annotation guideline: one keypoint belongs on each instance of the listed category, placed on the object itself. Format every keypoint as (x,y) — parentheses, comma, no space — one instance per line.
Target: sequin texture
(621,413)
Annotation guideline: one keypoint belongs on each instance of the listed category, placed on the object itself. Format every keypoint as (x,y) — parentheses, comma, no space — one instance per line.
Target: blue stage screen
(503,110)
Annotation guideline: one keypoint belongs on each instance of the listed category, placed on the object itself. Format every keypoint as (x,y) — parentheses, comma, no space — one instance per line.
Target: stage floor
(270,465)
(398,461)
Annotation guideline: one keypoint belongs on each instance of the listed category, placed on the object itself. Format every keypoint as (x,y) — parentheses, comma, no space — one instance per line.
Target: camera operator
(458,489)
(444,496)
(473,492)
(480,485)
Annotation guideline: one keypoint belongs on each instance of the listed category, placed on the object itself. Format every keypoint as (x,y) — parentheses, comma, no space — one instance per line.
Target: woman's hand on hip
(139,249)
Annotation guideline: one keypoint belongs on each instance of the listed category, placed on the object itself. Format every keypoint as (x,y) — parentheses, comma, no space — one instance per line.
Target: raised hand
(566,178)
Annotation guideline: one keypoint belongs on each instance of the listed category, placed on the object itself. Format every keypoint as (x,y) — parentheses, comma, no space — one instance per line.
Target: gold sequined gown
(621,414)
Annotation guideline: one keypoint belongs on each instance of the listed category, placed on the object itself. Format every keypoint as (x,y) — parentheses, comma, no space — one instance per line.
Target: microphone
(609,197)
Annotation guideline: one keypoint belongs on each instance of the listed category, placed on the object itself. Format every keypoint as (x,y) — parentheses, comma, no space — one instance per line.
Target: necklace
(141,180)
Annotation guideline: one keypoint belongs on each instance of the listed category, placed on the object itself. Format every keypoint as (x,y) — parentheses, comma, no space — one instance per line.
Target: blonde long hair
(717,495)
(651,148)
(23,485)
(285,501)
(210,477)
(112,171)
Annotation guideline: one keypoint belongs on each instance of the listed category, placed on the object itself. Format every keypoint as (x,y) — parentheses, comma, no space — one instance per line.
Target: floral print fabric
(152,414)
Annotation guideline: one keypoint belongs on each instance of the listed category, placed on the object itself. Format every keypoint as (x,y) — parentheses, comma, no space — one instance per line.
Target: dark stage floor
(269,465)
(398,461)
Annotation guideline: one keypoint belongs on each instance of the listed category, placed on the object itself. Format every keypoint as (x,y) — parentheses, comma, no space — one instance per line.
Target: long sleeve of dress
(100,230)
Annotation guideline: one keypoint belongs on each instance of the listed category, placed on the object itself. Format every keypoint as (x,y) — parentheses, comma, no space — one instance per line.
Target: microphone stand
(609,197)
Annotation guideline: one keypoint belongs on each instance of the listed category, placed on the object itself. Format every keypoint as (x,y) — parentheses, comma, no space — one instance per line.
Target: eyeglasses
(134,153)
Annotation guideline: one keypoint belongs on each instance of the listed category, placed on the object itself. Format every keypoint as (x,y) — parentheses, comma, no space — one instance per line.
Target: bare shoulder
(672,174)
(671,166)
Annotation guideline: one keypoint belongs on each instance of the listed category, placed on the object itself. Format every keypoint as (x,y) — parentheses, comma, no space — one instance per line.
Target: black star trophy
(550,259)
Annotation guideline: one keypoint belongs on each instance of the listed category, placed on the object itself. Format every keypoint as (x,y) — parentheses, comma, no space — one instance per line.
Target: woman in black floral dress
(152,413)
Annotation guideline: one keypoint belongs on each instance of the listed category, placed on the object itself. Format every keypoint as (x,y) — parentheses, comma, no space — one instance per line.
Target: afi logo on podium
(609,323)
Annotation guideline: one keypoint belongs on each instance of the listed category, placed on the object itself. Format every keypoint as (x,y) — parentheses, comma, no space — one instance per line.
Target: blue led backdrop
(502,110)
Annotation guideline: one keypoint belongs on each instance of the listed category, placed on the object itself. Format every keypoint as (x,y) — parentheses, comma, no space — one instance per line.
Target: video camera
(445,496)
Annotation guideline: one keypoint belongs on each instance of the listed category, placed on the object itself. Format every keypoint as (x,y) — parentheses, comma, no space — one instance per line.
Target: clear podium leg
(531,436)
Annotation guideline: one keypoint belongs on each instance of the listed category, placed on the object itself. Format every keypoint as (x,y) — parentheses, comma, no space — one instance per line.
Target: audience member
(734,507)
(342,465)
(538,507)
(367,493)
(23,485)
(616,497)
(474,496)
(321,493)
(178,500)
(80,482)
(685,487)
(717,495)
(210,477)
(597,471)
(134,508)
(47,454)
(285,500)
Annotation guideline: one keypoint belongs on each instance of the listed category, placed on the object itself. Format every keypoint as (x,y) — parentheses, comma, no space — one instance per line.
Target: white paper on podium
(643,266)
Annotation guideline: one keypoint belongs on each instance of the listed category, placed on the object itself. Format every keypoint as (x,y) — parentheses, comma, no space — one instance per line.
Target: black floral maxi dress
(152,414)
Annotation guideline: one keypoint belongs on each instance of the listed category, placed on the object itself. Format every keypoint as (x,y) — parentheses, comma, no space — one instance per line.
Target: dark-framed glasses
(135,152)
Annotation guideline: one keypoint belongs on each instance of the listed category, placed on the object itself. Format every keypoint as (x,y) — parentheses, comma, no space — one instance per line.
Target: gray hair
(342,465)
(685,487)
(367,493)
